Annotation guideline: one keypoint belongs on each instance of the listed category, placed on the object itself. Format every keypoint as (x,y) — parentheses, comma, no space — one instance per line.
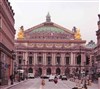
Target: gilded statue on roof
(77,34)
(21,33)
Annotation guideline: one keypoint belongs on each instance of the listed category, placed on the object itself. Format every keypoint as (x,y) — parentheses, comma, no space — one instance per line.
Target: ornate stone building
(7,35)
(97,49)
(49,48)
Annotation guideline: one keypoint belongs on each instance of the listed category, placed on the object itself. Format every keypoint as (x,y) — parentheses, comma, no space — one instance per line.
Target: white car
(30,75)
(51,78)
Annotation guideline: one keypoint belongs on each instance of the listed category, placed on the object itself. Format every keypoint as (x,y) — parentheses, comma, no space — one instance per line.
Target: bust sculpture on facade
(77,34)
(21,33)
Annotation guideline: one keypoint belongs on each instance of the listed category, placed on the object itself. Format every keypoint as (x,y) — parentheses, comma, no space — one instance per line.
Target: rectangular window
(49,60)
(20,59)
(30,59)
(58,60)
(39,59)
(67,60)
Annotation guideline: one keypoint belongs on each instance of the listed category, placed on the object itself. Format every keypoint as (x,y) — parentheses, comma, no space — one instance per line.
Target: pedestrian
(55,80)
(43,82)
(11,78)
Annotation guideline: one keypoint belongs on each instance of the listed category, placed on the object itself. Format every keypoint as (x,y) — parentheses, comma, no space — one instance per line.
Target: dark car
(64,77)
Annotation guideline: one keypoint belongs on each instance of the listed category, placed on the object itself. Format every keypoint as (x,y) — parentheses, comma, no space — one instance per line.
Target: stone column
(82,59)
(26,57)
(35,58)
(74,59)
(71,60)
(53,58)
(44,71)
(62,59)
(44,59)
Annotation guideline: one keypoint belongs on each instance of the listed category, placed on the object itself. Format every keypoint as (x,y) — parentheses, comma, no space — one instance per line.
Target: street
(36,84)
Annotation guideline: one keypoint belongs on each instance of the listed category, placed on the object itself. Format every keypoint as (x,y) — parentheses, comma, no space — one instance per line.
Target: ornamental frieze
(49,45)
(31,44)
(58,45)
(67,45)
(39,45)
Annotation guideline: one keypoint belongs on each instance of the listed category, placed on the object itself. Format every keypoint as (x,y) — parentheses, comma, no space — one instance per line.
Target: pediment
(49,30)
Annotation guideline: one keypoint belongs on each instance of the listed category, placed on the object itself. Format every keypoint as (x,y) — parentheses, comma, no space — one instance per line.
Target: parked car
(64,77)
(51,78)
(30,75)
(45,76)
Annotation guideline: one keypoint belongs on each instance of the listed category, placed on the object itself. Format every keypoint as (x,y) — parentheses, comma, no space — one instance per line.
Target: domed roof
(48,30)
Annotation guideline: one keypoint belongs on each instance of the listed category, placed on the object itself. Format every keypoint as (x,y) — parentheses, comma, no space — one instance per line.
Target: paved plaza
(36,84)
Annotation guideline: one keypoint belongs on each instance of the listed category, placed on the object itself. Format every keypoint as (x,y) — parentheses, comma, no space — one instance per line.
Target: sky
(83,14)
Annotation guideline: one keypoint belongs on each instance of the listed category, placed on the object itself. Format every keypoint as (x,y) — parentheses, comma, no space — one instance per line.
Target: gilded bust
(21,33)
(77,35)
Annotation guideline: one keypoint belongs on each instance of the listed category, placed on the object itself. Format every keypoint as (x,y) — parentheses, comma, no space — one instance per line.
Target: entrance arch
(39,71)
(30,70)
(58,71)
(67,71)
(48,71)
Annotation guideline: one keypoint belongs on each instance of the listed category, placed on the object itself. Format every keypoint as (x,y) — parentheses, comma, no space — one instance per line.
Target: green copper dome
(48,29)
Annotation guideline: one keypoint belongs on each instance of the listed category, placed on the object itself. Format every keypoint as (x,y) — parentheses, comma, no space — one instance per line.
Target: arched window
(48,71)
(30,70)
(58,71)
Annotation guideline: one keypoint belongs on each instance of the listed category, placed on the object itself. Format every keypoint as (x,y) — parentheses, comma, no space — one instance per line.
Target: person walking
(11,78)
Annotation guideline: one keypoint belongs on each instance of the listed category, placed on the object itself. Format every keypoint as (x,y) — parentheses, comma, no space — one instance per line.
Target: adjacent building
(49,48)
(7,35)
(97,49)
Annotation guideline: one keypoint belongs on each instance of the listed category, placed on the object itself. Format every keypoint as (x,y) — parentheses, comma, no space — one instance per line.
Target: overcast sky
(68,13)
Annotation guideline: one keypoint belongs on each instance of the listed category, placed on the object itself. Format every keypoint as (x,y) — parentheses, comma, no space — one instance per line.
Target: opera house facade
(49,48)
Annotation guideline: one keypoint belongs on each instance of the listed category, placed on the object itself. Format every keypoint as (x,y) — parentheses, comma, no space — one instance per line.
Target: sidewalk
(92,86)
(9,85)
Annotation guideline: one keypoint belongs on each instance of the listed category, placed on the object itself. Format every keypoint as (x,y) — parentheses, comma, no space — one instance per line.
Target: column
(53,58)
(82,59)
(26,57)
(62,59)
(72,57)
(44,59)
(35,58)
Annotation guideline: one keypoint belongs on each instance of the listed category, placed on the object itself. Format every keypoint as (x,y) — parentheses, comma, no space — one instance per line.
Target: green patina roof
(48,29)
